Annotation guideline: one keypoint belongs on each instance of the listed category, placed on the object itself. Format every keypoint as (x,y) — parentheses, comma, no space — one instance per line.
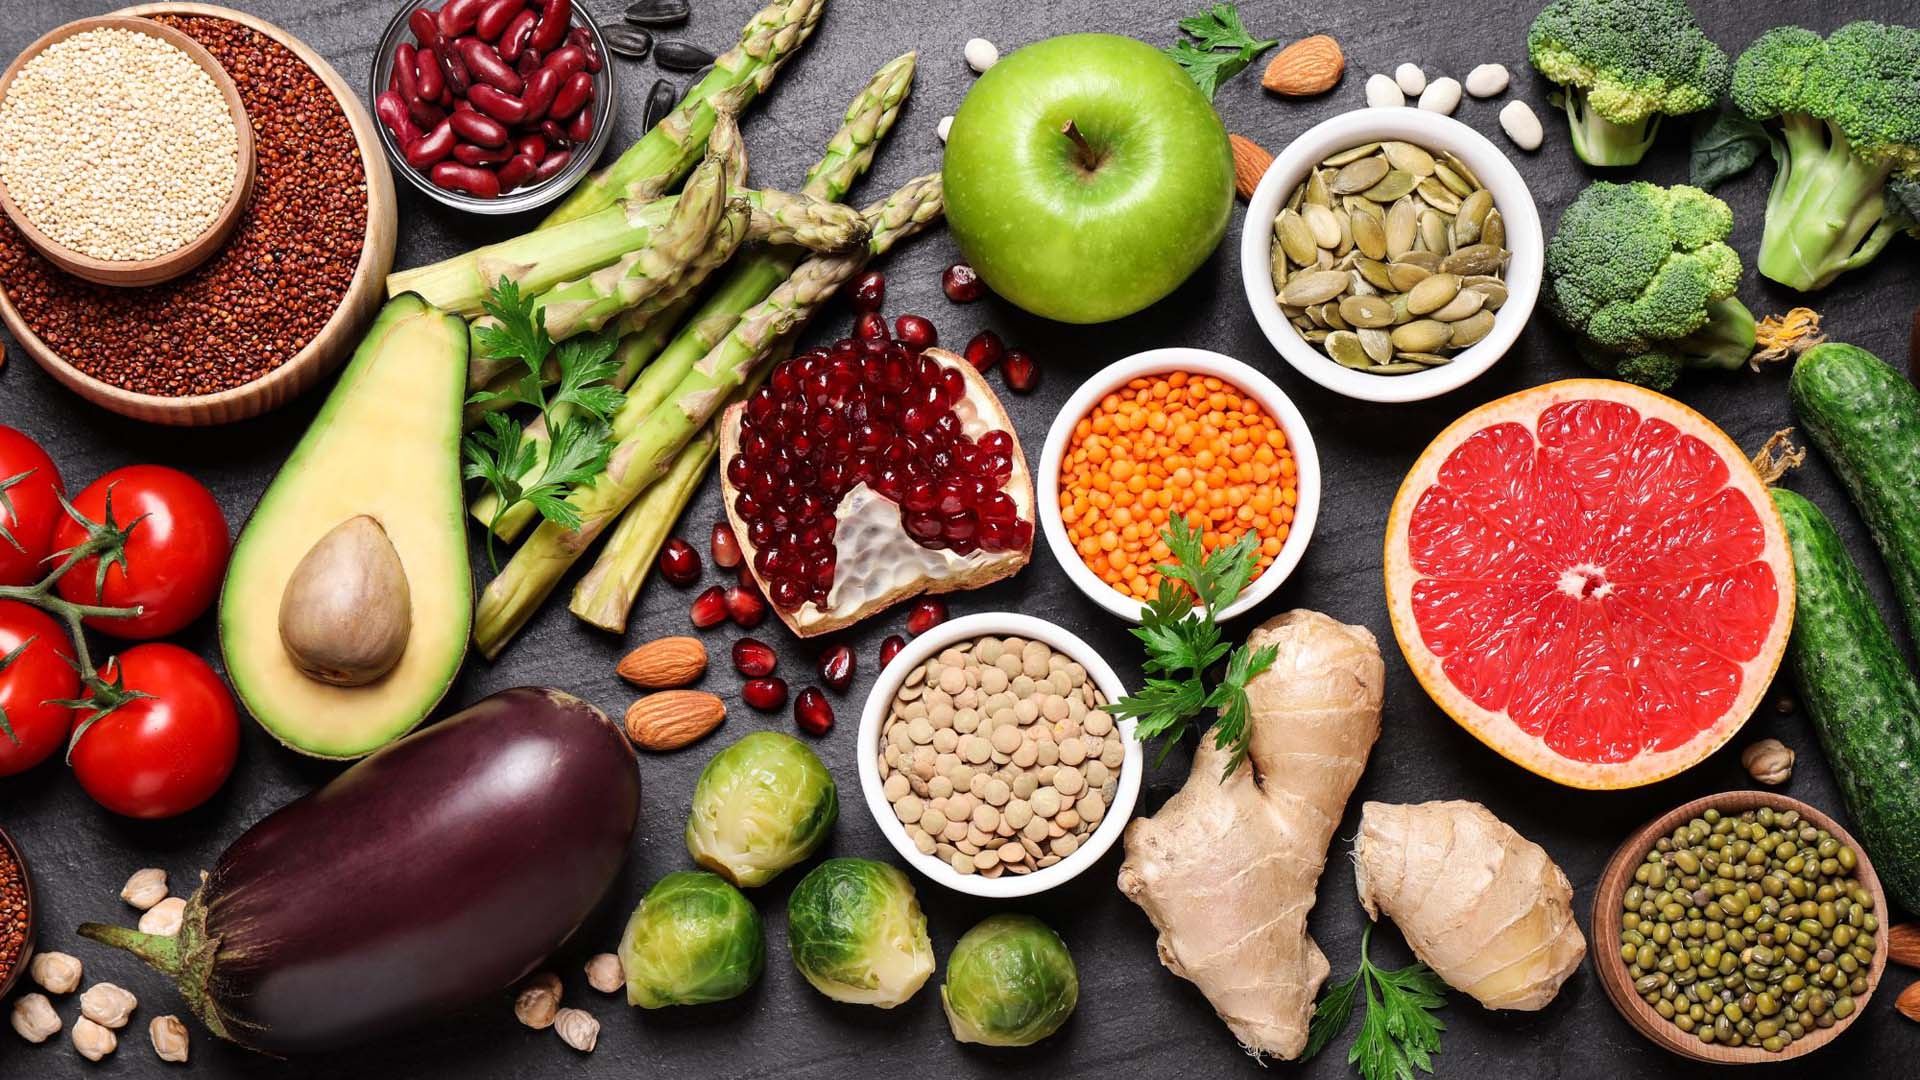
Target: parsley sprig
(1220,47)
(1184,642)
(1398,1032)
(575,412)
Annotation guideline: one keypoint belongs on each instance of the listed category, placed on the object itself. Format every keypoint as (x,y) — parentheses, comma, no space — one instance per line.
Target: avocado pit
(347,613)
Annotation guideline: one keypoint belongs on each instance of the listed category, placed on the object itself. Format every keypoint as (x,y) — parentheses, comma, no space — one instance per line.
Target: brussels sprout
(1010,982)
(856,932)
(761,805)
(693,939)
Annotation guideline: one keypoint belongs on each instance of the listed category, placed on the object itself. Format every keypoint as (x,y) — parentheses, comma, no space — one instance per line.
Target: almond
(671,719)
(1307,67)
(1250,163)
(664,663)
(1909,1002)
(1903,944)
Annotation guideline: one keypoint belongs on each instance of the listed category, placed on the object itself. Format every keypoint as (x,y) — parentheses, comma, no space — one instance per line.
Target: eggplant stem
(161,952)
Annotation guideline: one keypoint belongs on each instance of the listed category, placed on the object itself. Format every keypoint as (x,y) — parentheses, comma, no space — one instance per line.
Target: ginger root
(1481,905)
(1227,869)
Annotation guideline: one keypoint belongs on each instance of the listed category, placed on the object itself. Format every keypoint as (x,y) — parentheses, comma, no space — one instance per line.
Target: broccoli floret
(1622,66)
(1644,275)
(1847,146)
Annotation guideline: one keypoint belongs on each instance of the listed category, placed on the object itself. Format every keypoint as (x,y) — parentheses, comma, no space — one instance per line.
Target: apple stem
(1084,155)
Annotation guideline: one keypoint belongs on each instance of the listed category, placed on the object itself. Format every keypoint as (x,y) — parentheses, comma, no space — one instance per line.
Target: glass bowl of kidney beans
(493,106)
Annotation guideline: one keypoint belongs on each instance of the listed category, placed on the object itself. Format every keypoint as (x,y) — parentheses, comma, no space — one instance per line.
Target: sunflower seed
(681,56)
(660,101)
(658,12)
(1359,175)
(1314,287)
(631,42)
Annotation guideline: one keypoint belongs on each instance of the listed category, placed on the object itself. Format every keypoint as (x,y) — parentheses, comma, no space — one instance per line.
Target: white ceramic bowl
(1199,362)
(1431,131)
(879,703)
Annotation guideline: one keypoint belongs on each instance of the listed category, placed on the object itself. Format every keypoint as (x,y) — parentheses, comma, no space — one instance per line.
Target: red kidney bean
(577,91)
(566,60)
(457,17)
(555,135)
(434,146)
(429,81)
(494,17)
(425,30)
(556,16)
(454,176)
(528,63)
(454,69)
(532,146)
(581,126)
(551,165)
(403,72)
(478,128)
(503,107)
(513,40)
(425,114)
(486,66)
(393,79)
(538,96)
(517,171)
(482,156)
(579,38)
(392,110)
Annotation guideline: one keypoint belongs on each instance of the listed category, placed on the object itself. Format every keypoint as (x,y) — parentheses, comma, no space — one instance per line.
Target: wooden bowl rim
(379,192)
(1612,972)
(8,979)
(141,272)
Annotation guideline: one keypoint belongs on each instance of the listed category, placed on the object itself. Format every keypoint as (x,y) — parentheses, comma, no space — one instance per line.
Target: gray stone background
(1134,1017)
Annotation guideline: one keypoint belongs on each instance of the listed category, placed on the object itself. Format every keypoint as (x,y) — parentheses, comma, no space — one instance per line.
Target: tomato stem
(108,541)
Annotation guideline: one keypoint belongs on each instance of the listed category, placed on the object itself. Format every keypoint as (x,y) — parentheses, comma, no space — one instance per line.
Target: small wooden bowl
(136,272)
(1606,932)
(9,978)
(318,359)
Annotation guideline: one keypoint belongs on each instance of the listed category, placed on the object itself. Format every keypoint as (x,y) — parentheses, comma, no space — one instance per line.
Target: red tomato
(41,673)
(29,508)
(176,554)
(168,752)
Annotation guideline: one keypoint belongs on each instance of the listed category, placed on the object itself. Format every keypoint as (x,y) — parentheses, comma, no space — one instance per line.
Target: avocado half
(386,444)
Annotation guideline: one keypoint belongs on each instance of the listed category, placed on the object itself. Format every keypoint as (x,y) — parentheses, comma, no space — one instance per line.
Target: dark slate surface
(1134,1017)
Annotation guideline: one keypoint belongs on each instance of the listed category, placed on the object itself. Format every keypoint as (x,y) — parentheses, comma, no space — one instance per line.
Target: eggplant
(440,870)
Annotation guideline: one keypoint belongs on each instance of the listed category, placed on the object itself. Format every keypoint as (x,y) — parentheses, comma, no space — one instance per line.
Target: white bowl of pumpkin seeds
(1414,301)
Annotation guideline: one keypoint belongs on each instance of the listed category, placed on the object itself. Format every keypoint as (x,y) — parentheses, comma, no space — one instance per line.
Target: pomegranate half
(844,450)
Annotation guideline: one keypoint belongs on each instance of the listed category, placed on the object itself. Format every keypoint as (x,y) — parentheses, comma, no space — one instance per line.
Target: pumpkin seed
(1355,154)
(1473,212)
(1408,158)
(1359,176)
(1432,294)
(1296,238)
(1397,368)
(1317,189)
(1436,234)
(1492,288)
(1326,227)
(1369,235)
(1459,168)
(1299,196)
(1330,312)
(1452,180)
(1375,272)
(1345,348)
(1470,330)
(1474,259)
(1277,267)
(1425,260)
(1421,335)
(1464,303)
(1392,186)
(1345,246)
(1438,196)
(1316,316)
(1359,285)
(658,12)
(1494,229)
(632,42)
(1323,260)
(1403,276)
(1314,287)
(1402,223)
(1315,336)
(1367,311)
(1378,343)
(1425,359)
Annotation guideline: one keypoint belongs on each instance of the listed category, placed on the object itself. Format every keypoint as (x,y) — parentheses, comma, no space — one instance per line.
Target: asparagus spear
(849,152)
(664,154)
(644,456)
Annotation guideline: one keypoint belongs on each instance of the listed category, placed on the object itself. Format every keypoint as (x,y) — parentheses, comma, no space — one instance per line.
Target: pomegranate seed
(871,326)
(725,546)
(915,332)
(754,658)
(744,605)
(927,613)
(836,667)
(679,563)
(812,712)
(985,350)
(868,291)
(709,608)
(961,284)
(890,648)
(1021,372)
(766,694)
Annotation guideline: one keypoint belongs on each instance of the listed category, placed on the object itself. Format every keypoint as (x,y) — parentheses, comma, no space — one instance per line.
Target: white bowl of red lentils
(1169,431)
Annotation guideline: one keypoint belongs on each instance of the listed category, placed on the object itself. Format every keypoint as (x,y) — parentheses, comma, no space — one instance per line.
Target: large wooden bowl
(9,978)
(137,272)
(1606,932)
(335,340)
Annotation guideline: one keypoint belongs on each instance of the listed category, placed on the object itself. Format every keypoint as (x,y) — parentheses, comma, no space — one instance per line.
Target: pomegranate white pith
(876,562)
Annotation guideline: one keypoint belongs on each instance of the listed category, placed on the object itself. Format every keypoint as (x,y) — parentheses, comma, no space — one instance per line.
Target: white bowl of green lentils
(990,760)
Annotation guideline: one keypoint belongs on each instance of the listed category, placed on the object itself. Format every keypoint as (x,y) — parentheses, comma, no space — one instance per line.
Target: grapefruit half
(1590,578)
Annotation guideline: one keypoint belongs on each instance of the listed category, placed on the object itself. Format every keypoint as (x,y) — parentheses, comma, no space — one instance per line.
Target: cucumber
(1864,702)
(1865,418)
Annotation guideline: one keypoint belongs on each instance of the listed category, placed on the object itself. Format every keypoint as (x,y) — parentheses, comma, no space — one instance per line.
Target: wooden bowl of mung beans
(1731,892)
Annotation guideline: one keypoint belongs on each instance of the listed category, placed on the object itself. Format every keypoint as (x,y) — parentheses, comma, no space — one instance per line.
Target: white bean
(1384,93)
(1441,96)
(981,54)
(1410,79)
(1487,80)
(1521,125)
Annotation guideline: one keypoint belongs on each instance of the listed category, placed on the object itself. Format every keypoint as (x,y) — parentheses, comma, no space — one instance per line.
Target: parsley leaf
(1181,632)
(586,363)
(1220,47)
(1398,1032)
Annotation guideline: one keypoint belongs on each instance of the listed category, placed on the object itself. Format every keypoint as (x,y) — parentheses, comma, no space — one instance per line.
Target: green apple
(1087,177)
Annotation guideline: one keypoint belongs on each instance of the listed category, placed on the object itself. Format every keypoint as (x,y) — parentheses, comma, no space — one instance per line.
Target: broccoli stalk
(1724,343)
(1621,66)
(1828,211)
(1601,142)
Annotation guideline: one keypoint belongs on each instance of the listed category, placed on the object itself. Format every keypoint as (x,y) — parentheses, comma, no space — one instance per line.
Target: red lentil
(13,912)
(274,285)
